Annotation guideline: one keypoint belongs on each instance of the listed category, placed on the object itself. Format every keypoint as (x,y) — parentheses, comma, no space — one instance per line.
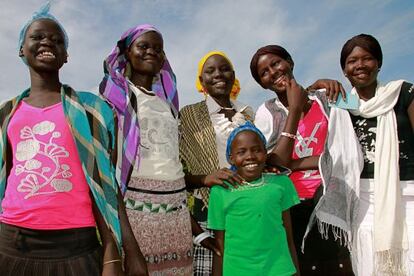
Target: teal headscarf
(248,126)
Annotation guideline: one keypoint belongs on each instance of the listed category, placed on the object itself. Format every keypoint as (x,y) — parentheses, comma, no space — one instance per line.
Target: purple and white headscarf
(114,87)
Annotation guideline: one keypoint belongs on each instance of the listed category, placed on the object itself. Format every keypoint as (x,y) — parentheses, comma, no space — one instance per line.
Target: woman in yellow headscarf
(205,127)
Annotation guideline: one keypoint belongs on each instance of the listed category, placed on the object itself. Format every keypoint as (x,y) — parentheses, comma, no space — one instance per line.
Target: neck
(44,82)
(142,80)
(367,92)
(223,101)
(283,99)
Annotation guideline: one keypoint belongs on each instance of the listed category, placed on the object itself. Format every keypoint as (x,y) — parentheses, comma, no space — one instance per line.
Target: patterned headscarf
(114,87)
(235,90)
(248,126)
(42,13)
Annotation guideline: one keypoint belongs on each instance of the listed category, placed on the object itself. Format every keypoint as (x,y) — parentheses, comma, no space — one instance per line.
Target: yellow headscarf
(236,86)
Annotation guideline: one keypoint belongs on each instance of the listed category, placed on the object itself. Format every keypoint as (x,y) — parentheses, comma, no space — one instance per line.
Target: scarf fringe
(338,233)
(390,262)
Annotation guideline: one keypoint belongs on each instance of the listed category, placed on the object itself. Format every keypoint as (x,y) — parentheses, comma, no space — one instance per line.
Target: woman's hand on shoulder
(333,88)
(218,177)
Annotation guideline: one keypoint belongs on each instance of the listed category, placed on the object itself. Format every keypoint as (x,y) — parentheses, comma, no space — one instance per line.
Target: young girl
(57,182)
(252,223)
(205,128)
(140,85)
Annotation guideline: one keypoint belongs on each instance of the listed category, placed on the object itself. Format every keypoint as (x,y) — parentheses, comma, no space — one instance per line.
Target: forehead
(44,25)
(357,50)
(246,137)
(216,60)
(150,37)
(266,58)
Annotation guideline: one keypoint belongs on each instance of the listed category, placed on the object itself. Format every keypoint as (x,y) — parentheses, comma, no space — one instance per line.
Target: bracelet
(112,261)
(288,135)
(201,237)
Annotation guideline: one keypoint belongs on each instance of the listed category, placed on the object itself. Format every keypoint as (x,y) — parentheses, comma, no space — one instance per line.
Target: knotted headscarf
(248,126)
(114,87)
(235,90)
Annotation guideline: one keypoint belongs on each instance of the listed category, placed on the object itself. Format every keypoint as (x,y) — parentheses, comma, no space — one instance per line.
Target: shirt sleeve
(407,94)
(216,214)
(290,196)
(263,121)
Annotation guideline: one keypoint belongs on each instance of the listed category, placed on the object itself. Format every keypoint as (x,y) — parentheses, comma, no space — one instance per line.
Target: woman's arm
(282,152)
(134,260)
(410,112)
(210,243)
(289,234)
(306,163)
(218,259)
(112,263)
(215,178)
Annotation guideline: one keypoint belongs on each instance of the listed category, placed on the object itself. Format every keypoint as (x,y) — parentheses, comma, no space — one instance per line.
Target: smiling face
(44,47)
(272,70)
(217,76)
(361,68)
(248,154)
(146,54)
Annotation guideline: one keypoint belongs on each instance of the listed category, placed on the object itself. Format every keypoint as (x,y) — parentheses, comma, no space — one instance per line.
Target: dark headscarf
(269,49)
(366,42)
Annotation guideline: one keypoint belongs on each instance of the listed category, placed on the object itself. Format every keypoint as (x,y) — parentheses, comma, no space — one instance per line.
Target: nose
(360,63)
(47,41)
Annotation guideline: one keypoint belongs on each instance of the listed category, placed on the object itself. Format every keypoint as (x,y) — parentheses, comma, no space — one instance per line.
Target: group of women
(136,168)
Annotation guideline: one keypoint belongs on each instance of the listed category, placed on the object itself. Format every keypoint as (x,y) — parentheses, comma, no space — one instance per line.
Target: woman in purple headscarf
(140,85)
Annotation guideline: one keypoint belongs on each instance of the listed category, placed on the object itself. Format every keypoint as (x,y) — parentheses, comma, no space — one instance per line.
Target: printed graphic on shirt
(366,135)
(47,177)
(158,137)
(303,149)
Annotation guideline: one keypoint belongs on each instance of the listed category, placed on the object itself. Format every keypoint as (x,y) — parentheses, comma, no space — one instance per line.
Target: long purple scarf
(114,87)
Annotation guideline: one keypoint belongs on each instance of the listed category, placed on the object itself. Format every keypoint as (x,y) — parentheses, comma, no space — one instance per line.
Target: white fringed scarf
(390,233)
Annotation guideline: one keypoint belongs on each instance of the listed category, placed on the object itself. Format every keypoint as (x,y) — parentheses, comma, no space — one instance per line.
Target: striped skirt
(160,220)
(69,252)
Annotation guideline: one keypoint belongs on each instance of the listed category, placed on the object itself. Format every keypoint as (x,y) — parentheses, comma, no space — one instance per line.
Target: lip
(220,84)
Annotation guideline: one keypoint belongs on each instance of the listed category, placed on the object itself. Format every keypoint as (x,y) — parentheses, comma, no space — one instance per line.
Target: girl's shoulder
(276,178)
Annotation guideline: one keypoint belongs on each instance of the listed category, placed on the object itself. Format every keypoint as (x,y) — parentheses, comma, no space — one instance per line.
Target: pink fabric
(46,187)
(312,129)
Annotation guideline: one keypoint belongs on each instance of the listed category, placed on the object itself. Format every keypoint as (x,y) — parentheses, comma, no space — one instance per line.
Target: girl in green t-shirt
(252,223)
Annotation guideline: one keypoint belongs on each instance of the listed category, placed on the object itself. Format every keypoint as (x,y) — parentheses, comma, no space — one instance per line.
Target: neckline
(41,108)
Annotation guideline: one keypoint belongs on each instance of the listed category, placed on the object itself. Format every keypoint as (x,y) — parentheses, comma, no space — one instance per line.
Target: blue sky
(312,31)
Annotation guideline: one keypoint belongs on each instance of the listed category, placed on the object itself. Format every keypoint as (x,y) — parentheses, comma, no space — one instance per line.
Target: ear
(231,159)
(66,58)
(200,78)
(21,52)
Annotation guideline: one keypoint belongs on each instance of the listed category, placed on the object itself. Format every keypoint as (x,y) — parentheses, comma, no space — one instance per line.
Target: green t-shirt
(255,241)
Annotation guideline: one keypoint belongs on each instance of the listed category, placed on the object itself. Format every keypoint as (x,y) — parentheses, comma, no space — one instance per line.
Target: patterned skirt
(160,220)
(69,252)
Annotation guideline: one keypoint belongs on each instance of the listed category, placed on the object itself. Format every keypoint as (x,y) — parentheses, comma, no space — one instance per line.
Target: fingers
(218,178)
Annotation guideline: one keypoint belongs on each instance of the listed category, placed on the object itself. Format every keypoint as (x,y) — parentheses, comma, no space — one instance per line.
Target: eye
(264,73)
(142,46)
(36,37)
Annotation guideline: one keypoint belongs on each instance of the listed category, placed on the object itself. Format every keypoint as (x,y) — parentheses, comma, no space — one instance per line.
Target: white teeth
(47,54)
(251,166)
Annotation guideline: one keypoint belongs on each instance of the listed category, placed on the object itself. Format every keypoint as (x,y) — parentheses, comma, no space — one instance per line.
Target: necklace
(260,183)
(227,108)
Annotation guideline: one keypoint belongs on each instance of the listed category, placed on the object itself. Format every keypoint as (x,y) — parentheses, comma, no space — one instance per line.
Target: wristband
(288,135)
(201,237)
(112,261)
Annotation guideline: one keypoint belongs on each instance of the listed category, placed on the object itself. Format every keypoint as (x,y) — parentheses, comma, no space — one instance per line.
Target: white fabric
(159,139)
(340,166)
(263,120)
(390,237)
(363,251)
(223,126)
